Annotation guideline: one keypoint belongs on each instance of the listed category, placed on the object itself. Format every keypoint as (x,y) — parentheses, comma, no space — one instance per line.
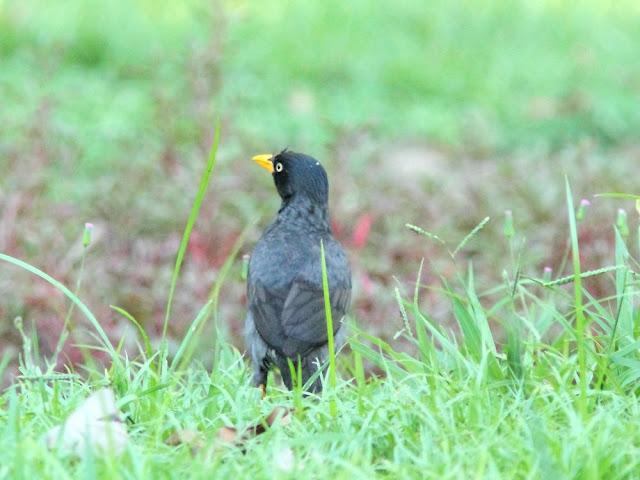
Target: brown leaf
(228,435)
(278,416)
(192,438)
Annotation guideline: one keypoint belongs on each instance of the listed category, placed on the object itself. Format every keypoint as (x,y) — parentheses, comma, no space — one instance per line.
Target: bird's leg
(260,380)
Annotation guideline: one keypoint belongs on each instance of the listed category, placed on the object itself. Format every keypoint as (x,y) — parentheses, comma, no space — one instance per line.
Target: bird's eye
(279,167)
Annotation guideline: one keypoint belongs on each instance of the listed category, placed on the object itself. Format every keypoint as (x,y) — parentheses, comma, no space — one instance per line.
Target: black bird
(286,318)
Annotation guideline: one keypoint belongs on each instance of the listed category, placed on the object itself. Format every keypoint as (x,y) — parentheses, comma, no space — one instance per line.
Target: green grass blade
(145,338)
(478,313)
(333,407)
(193,329)
(406,363)
(429,235)
(470,331)
(624,317)
(570,278)
(425,346)
(377,358)
(470,235)
(71,296)
(579,307)
(446,344)
(624,196)
(193,215)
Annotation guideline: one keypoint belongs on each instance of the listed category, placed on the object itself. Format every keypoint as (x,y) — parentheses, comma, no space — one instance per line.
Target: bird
(286,319)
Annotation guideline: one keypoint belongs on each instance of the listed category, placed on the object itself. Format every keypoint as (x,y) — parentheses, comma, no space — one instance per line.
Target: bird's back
(285,286)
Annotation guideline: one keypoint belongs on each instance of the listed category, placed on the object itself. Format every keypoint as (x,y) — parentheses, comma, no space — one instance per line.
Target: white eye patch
(279,167)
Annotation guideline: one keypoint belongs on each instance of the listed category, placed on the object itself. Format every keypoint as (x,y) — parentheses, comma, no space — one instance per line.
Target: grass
(430,425)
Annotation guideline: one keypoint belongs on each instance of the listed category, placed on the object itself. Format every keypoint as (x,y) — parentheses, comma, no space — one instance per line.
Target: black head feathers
(297,174)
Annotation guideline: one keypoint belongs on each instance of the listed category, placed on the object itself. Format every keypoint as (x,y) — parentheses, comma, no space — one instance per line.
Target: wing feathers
(296,324)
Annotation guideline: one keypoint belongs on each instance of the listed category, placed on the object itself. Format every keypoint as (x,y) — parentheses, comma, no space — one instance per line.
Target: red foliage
(361,231)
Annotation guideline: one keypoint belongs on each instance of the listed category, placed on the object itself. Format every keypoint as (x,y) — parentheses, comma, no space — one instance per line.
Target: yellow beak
(264,160)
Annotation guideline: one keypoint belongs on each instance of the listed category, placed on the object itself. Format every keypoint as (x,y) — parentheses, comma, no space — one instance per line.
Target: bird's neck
(303,211)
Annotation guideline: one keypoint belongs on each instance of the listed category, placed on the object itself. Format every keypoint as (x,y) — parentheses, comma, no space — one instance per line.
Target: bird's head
(296,175)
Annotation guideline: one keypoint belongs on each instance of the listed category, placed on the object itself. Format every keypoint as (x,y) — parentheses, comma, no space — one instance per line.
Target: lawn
(478,347)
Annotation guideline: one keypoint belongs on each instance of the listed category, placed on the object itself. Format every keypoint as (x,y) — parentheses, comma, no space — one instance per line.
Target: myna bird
(286,318)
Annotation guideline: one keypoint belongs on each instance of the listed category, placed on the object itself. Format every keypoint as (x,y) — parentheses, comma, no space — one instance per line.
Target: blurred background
(433,113)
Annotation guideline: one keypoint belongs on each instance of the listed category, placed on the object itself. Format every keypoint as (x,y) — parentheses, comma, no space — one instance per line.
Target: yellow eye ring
(279,167)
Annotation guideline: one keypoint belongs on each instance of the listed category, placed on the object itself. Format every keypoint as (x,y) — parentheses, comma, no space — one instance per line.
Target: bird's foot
(263,390)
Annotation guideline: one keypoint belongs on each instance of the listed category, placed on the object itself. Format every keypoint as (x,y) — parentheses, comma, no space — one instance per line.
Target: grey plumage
(286,318)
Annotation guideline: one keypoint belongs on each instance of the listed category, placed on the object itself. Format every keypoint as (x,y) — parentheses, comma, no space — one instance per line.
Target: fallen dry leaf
(231,435)
(192,438)
(228,435)
(278,416)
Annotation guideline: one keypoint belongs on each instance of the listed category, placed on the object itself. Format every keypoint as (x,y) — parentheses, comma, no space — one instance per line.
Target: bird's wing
(265,307)
(303,316)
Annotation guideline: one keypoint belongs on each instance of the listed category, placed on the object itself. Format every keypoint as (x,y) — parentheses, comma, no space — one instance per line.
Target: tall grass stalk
(578,303)
(469,236)
(193,216)
(68,326)
(333,407)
